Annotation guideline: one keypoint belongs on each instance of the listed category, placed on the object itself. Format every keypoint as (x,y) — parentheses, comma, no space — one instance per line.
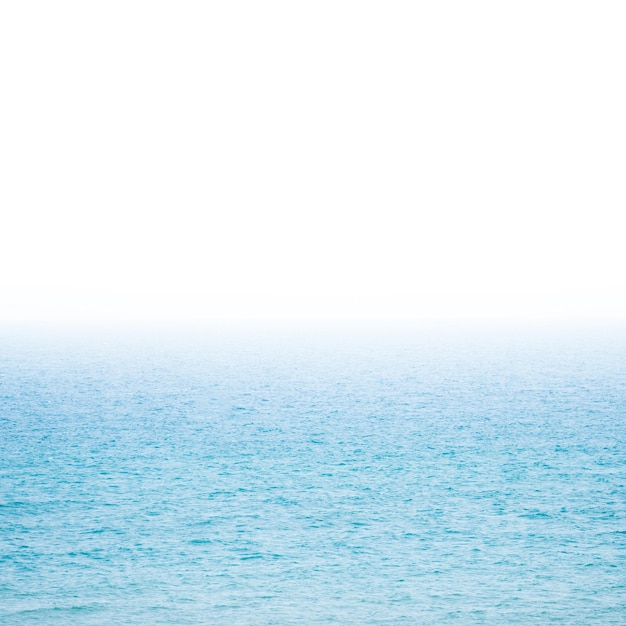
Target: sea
(258,476)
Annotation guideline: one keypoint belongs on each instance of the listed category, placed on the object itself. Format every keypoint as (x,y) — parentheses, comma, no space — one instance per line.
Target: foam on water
(414,479)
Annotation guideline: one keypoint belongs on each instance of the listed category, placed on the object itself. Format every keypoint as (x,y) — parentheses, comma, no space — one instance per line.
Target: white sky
(316,160)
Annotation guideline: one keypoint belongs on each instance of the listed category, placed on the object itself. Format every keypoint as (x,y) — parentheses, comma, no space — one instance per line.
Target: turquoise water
(432,478)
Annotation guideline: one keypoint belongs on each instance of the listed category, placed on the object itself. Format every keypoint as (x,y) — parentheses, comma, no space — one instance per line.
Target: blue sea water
(346,478)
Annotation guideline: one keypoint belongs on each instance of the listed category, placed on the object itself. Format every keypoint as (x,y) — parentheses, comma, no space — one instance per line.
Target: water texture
(423,479)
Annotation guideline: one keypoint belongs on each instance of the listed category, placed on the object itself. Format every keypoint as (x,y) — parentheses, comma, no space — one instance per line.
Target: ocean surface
(443,477)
